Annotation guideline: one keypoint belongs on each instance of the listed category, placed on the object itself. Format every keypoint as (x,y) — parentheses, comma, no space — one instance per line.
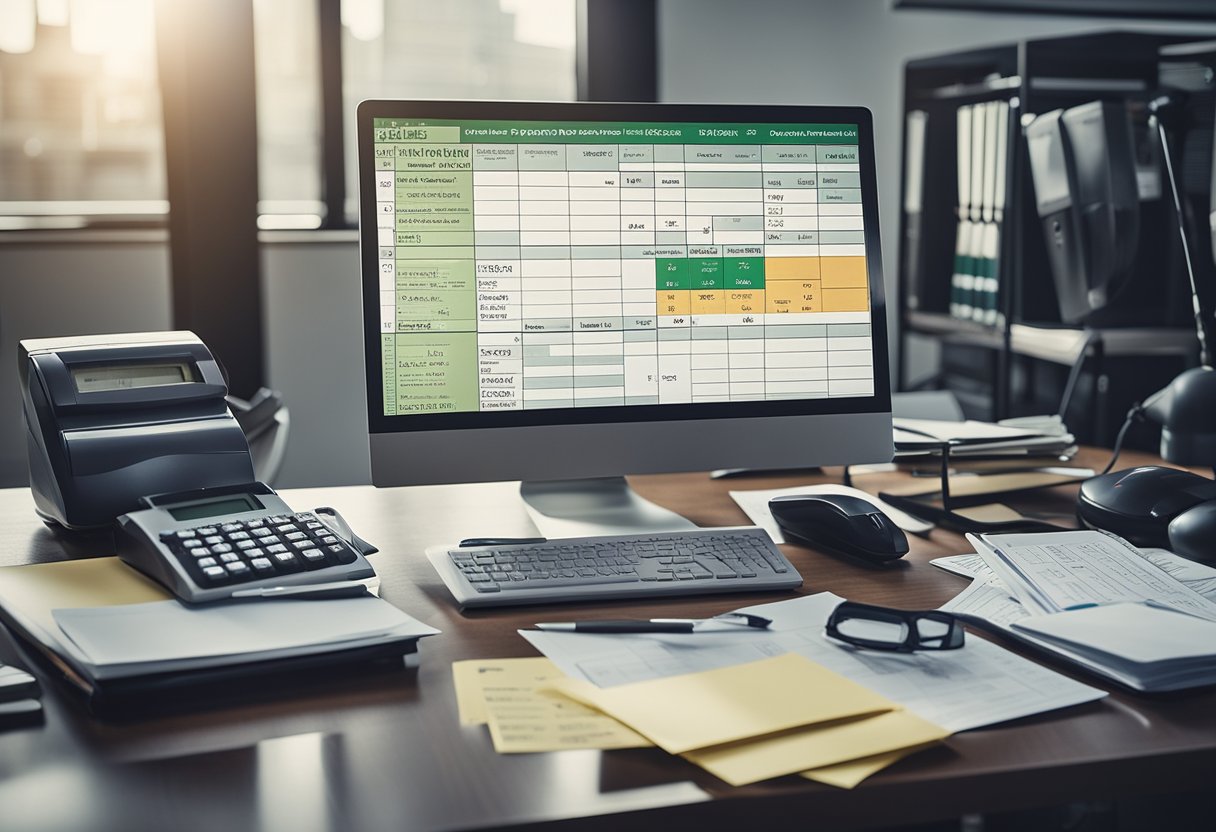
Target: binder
(914,174)
(29,594)
(985,273)
(973,276)
(960,306)
(994,208)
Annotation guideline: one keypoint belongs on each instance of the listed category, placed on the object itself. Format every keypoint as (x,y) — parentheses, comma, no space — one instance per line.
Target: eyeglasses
(883,628)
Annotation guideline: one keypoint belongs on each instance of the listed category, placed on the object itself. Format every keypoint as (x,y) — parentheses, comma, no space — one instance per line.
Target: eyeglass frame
(953,638)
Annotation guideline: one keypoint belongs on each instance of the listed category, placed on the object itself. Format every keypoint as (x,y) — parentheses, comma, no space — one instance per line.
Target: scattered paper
(506,695)
(1198,576)
(795,751)
(755,506)
(477,680)
(698,710)
(1128,633)
(1057,571)
(850,774)
(978,685)
(992,605)
(546,721)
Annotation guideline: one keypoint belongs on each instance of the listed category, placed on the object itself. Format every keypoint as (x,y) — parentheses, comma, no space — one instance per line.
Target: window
(522,49)
(80,120)
(493,49)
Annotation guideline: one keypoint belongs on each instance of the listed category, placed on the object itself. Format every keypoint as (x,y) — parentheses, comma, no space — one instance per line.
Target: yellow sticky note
(478,679)
(698,710)
(847,775)
(547,721)
(812,747)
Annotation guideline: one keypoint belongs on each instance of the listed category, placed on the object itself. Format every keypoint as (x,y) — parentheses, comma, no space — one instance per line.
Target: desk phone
(241,541)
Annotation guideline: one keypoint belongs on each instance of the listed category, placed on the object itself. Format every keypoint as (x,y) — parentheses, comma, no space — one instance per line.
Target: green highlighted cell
(445,309)
(407,251)
(388,359)
(707,273)
(671,273)
(436,274)
(435,238)
(744,272)
(435,373)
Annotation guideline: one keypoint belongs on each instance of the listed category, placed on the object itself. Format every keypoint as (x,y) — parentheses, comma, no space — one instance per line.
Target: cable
(1155,107)
(1135,414)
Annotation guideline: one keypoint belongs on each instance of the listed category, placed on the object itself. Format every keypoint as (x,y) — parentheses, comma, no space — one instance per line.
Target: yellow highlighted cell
(791,268)
(674,303)
(843,272)
(793,296)
(708,302)
(744,301)
(846,300)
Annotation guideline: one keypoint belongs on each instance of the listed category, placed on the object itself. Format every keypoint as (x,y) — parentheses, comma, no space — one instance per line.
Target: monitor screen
(533,265)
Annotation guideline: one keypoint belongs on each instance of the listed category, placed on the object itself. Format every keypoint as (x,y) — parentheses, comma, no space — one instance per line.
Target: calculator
(241,541)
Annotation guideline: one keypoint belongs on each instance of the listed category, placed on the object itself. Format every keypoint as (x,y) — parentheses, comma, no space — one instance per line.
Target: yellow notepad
(698,710)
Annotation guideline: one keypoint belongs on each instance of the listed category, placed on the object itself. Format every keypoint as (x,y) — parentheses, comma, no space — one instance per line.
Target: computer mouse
(842,523)
(1193,533)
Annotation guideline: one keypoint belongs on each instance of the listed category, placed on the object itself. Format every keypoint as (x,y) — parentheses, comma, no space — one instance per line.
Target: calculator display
(214,508)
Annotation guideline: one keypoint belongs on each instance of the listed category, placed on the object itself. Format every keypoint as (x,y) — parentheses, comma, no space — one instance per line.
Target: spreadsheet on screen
(528,265)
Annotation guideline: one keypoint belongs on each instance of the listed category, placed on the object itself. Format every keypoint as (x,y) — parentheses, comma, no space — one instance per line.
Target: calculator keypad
(256,549)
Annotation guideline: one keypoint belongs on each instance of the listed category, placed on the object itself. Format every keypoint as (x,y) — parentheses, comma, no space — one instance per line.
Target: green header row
(449,131)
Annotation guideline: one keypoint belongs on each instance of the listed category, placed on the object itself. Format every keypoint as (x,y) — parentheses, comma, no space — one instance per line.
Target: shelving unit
(987,364)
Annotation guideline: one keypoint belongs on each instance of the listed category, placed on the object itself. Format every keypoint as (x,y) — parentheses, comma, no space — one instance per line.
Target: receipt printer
(111,418)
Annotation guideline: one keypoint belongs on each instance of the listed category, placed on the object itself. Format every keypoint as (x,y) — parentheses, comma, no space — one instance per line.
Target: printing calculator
(242,541)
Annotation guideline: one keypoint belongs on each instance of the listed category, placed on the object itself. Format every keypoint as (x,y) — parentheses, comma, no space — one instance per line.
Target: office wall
(79,283)
(63,283)
(314,354)
(832,52)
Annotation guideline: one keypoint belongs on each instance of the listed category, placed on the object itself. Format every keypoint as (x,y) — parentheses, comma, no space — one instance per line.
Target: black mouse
(842,523)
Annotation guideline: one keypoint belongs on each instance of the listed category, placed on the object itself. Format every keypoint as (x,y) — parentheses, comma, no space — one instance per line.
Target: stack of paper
(102,622)
(920,437)
(985,458)
(1145,619)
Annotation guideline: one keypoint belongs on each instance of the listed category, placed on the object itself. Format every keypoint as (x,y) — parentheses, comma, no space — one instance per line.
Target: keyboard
(615,567)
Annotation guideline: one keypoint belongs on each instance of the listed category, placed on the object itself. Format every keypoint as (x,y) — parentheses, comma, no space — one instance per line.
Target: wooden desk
(387,752)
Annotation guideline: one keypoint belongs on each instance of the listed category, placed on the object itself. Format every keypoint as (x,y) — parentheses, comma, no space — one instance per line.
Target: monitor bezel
(379,423)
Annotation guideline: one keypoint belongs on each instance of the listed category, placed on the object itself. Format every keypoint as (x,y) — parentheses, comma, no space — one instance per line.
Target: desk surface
(387,751)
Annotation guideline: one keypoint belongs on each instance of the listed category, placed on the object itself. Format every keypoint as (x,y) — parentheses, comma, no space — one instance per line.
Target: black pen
(653,625)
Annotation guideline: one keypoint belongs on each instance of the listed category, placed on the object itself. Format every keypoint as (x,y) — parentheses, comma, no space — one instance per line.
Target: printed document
(980,684)
(1057,571)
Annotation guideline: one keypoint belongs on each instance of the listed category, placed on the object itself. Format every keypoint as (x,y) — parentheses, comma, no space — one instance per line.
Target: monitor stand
(593,507)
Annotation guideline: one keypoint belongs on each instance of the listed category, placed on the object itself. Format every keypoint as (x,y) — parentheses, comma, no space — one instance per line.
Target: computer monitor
(561,291)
